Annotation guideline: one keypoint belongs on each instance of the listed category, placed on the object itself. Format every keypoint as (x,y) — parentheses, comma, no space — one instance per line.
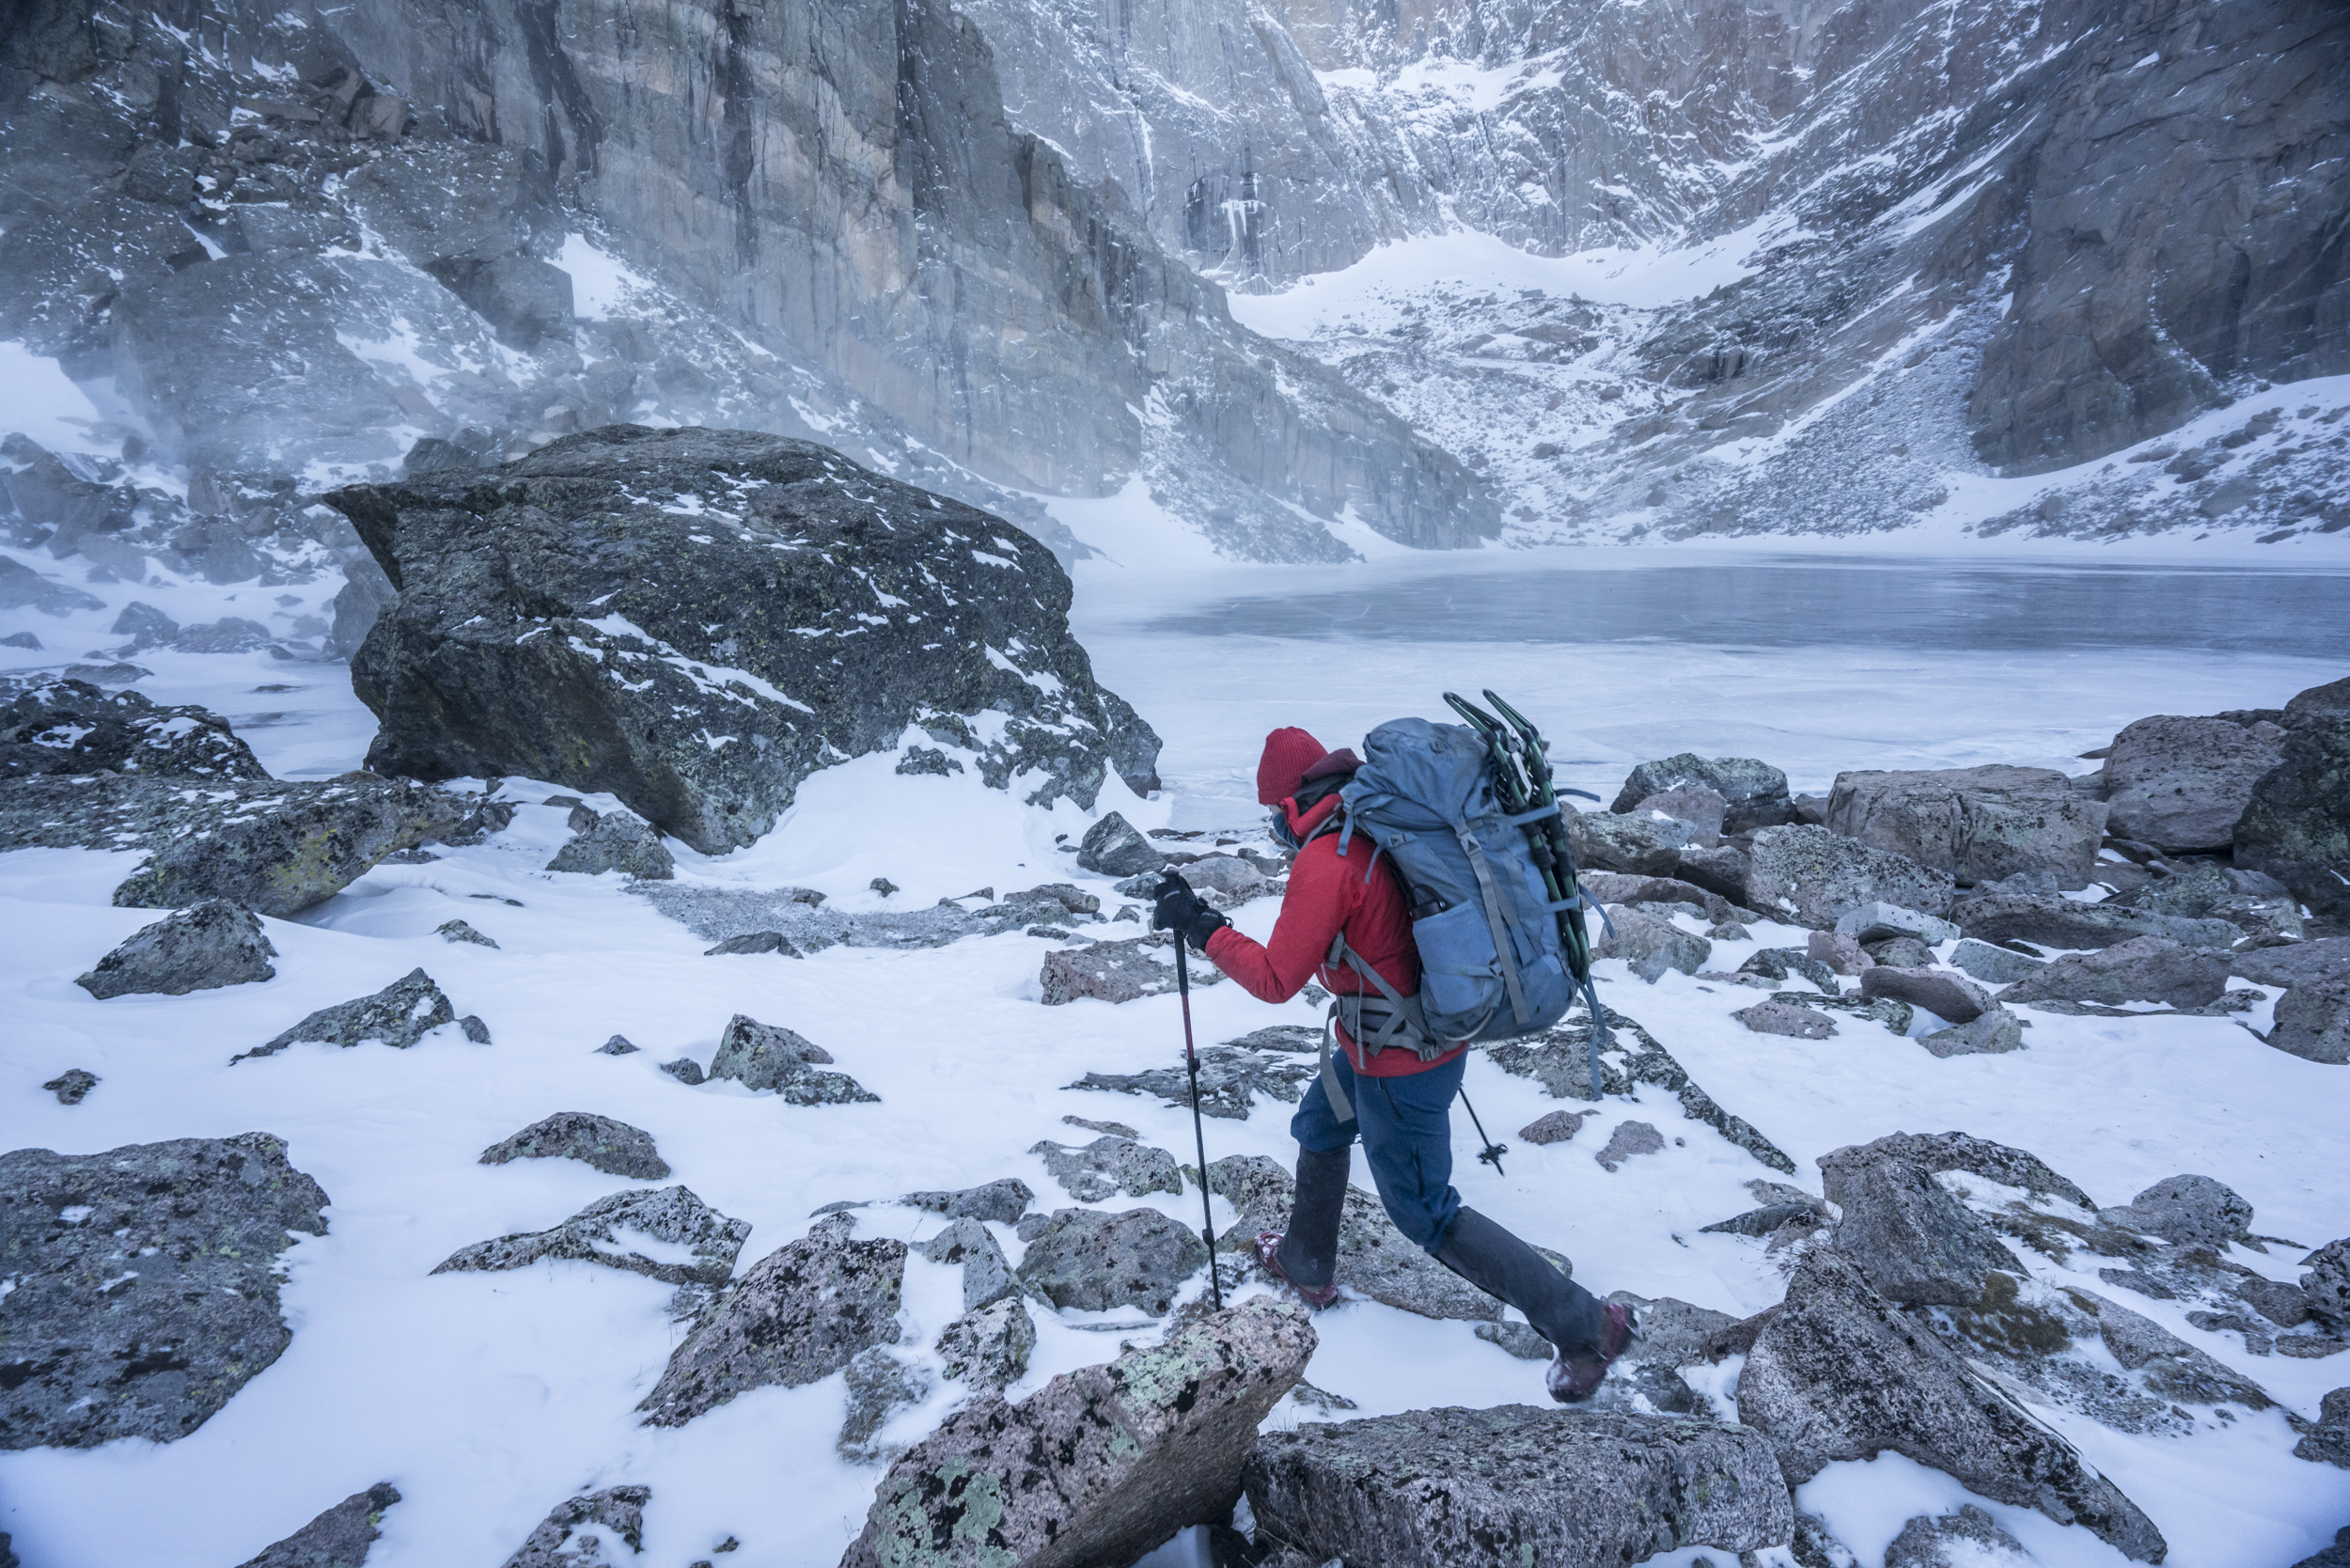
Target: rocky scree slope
(285,239)
(696,621)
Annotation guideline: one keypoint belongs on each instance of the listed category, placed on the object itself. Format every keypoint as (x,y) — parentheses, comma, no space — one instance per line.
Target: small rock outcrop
(1649,944)
(2142,970)
(2326,1440)
(1511,1485)
(1838,1372)
(398,1015)
(1754,794)
(71,726)
(2312,1022)
(1090,1260)
(613,1147)
(695,621)
(801,1313)
(2187,1210)
(1785,1018)
(2296,826)
(768,1056)
(1230,1078)
(1814,877)
(339,1538)
(72,1086)
(1003,1201)
(989,1347)
(1995,965)
(1115,847)
(1628,1139)
(1939,1151)
(1118,971)
(878,1384)
(1633,843)
(1969,1537)
(1110,1165)
(1098,1465)
(206,945)
(573,1535)
(599,1234)
(2048,921)
(145,1284)
(987,1276)
(1914,1241)
(614,842)
(1990,1033)
(1978,824)
(1939,992)
(2182,784)
(1875,923)
(1553,1126)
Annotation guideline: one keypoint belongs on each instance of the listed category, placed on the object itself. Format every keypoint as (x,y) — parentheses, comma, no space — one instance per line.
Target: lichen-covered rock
(1110,1166)
(1100,1465)
(989,1347)
(2048,921)
(1004,1200)
(1649,944)
(2142,970)
(2321,958)
(573,1535)
(768,1056)
(798,1314)
(1990,1033)
(1512,1485)
(1939,1151)
(695,621)
(1644,843)
(272,847)
(1115,847)
(72,726)
(2182,783)
(1754,794)
(1703,808)
(2296,826)
(339,1538)
(1776,1017)
(145,1284)
(1815,877)
(615,842)
(209,943)
(1780,964)
(2262,906)
(987,1276)
(1091,1260)
(1941,993)
(2187,1210)
(610,1146)
(599,1233)
(879,1386)
(1838,1372)
(1375,1259)
(1230,1080)
(1978,824)
(1118,971)
(2171,1368)
(2312,1022)
(1969,1537)
(1914,1241)
(398,1015)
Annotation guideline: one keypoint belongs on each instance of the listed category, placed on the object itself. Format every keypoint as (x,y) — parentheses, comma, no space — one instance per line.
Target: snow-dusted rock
(2143,969)
(1091,1260)
(1838,1372)
(2296,826)
(1992,1032)
(1875,923)
(1938,991)
(1754,794)
(574,1535)
(1766,1220)
(1649,944)
(459,931)
(1120,971)
(1553,1126)
(1978,824)
(1115,847)
(22,587)
(339,1538)
(1618,887)
(1699,805)
(1004,1200)
(1914,1241)
(799,1314)
(398,1015)
(880,1384)
(989,1347)
(652,592)
(2202,889)
(1513,1484)
(2171,1368)
(2047,921)
(2326,1282)
(1098,1465)
(1778,963)
(2187,1210)
(209,943)
(2180,783)
(987,1277)
(71,726)
(2321,958)
(145,1284)
(1776,1017)
(2326,1440)
(2313,1022)
(1628,1139)
(1230,1080)
(1939,1151)
(1815,877)
(1636,843)
(614,842)
(1994,965)
(1375,1258)
(767,1056)
(1110,1166)
(1969,1537)
(613,1147)
(602,1233)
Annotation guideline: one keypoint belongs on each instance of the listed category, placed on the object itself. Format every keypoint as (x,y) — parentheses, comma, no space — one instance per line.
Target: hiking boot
(1577,1377)
(1269,1254)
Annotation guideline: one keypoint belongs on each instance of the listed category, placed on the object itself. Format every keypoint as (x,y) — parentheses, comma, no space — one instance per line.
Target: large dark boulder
(695,621)
(2313,1022)
(145,1284)
(1813,877)
(1754,794)
(207,945)
(2182,783)
(72,726)
(2296,826)
(1512,1485)
(1978,824)
(1100,1464)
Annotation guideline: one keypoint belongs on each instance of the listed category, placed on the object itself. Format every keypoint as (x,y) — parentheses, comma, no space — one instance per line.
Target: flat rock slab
(2046,920)
(1004,1200)
(1988,1034)
(1090,1260)
(1553,1126)
(1513,1485)
(1914,1241)
(145,1284)
(1815,877)
(1230,1078)
(209,943)
(1100,1465)
(339,1538)
(1122,971)
(1994,965)
(613,1147)
(799,1314)
(1629,1138)
(1775,1017)
(679,586)
(1110,1165)
(1946,996)
(1938,1151)
(72,727)
(398,1015)
(1838,1372)
(2142,970)
(272,847)
(2296,963)
(801,922)
(608,1230)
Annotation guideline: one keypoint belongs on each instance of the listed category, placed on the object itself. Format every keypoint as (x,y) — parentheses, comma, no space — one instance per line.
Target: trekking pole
(1199,1129)
(1493,1151)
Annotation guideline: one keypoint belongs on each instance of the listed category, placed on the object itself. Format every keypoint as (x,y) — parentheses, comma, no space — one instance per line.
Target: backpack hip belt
(1373,1023)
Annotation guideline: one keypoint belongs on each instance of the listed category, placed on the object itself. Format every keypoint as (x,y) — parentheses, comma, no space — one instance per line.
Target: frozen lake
(1816,663)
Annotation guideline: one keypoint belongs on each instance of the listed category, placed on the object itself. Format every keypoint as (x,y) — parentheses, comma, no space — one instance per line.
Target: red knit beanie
(1288,753)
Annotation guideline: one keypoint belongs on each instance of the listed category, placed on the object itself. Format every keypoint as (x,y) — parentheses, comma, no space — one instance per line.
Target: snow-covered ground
(488,1398)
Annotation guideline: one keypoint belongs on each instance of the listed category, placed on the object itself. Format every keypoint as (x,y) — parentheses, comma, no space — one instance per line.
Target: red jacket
(1329,893)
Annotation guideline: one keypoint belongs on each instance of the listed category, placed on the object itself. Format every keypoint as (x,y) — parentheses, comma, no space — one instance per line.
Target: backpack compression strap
(1374,1023)
(1491,896)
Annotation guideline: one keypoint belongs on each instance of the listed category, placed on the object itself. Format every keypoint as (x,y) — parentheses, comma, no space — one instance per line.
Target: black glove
(1181,910)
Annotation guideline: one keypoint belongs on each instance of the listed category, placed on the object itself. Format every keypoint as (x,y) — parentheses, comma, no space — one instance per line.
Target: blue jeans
(1406,1128)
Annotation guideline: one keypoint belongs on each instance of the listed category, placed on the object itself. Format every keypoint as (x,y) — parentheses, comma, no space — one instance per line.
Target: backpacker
(1492,961)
